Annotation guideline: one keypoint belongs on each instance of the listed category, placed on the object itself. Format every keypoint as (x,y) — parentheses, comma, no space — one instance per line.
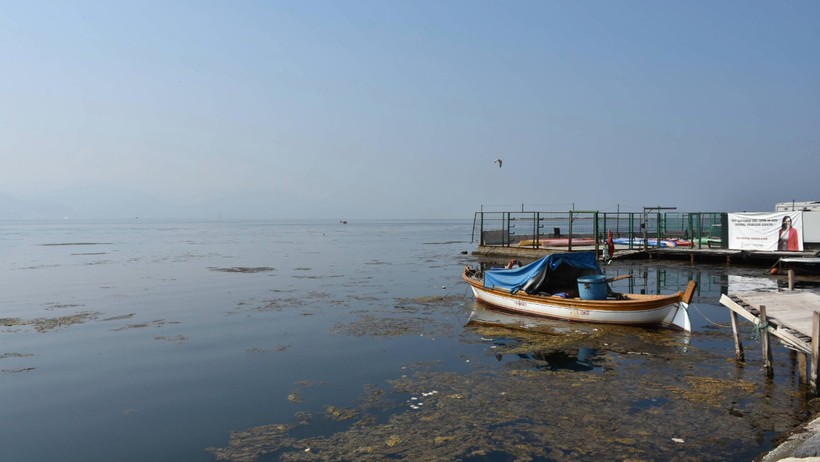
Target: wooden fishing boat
(546,287)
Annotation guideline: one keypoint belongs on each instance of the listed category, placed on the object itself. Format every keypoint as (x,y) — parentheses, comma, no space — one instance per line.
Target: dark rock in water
(463,252)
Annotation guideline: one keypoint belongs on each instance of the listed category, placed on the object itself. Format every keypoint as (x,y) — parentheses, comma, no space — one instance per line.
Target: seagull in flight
(499,162)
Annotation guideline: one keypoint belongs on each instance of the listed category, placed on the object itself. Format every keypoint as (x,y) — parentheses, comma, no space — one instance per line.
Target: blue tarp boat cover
(536,275)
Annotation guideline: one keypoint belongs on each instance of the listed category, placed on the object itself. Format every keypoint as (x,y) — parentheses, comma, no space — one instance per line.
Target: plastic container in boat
(592,287)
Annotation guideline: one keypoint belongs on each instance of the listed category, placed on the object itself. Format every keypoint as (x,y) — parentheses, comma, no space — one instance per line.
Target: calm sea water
(328,341)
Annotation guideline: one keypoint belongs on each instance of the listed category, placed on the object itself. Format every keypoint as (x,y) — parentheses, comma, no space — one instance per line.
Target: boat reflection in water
(553,354)
(538,343)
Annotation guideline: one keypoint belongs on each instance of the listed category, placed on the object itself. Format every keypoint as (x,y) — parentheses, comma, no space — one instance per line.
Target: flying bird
(499,162)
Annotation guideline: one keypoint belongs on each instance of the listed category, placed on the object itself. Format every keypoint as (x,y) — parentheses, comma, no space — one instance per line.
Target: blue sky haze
(373,109)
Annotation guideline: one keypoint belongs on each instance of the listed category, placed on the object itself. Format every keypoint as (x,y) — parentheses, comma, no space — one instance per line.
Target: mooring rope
(758,329)
(707,318)
(453,288)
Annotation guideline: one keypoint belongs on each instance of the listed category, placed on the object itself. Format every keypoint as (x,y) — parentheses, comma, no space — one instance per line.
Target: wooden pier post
(815,348)
(802,367)
(764,341)
(738,345)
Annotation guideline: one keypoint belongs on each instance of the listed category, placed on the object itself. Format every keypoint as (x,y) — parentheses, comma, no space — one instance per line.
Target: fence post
(658,225)
(505,238)
(481,228)
(595,232)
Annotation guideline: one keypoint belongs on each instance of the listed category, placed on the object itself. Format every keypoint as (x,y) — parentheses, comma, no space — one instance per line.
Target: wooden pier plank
(791,337)
(790,309)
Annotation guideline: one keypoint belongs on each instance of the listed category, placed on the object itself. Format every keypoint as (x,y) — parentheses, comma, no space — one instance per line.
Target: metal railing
(537,229)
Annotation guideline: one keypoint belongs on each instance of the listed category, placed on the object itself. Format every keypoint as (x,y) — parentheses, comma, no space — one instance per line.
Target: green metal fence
(536,229)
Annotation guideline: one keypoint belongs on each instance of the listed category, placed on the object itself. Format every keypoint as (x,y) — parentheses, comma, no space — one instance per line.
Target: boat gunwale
(635,302)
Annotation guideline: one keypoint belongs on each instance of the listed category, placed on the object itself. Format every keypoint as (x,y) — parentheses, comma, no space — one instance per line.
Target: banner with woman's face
(766,231)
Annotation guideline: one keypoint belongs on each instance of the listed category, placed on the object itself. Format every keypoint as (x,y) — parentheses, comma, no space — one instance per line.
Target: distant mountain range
(85,202)
(91,202)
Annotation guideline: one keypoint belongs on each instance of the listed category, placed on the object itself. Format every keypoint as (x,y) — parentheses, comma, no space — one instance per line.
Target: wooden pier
(793,317)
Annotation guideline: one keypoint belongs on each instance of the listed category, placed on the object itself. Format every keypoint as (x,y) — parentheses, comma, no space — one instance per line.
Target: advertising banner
(766,231)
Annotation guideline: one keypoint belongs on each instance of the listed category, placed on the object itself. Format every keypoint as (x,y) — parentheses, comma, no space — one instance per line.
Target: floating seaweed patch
(714,392)
(55,306)
(340,414)
(427,304)
(154,323)
(496,414)
(17,371)
(56,244)
(265,350)
(15,355)
(120,317)
(174,339)
(281,304)
(325,276)
(9,322)
(249,445)
(100,262)
(303,417)
(43,325)
(378,326)
(243,269)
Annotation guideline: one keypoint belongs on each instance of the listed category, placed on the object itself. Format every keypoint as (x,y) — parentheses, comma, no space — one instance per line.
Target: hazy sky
(399,108)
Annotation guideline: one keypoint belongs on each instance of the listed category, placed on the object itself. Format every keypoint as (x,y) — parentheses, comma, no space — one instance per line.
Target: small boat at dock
(801,265)
(572,287)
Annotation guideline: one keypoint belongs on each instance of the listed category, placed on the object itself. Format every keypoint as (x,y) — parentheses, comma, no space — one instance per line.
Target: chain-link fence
(634,230)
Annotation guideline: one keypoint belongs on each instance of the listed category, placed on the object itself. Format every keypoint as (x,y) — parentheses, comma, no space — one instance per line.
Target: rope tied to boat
(758,329)
(692,305)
